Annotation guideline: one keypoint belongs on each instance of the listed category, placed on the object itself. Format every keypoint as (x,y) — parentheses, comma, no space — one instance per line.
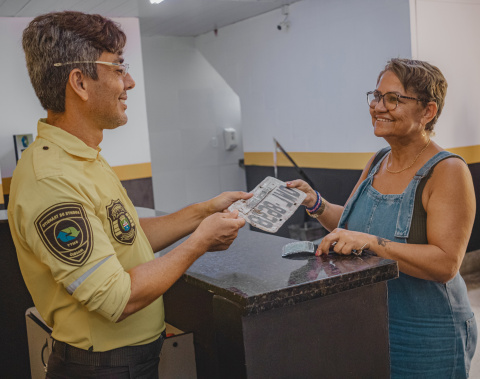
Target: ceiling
(170,18)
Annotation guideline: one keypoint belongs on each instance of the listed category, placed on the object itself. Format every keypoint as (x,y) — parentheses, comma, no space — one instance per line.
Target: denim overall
(432,329)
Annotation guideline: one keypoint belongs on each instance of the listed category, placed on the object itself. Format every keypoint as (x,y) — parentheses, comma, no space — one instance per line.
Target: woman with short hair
(414,203)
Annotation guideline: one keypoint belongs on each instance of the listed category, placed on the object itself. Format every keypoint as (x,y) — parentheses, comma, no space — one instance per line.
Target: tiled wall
(188,106)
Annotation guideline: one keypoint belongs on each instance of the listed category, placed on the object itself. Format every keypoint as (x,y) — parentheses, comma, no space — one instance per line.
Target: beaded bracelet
(320,210)
(317,205)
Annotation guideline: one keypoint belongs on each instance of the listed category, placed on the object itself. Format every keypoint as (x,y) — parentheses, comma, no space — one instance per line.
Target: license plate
(271,205)
(299,248)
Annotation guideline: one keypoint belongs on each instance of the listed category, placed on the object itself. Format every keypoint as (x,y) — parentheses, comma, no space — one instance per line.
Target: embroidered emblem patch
(66,232)
(121,223)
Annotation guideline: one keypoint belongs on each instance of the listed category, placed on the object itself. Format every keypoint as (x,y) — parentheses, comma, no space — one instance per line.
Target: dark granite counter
(253,273)
(255,314)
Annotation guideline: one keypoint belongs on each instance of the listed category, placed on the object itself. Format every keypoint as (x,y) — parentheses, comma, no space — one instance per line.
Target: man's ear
(77,82)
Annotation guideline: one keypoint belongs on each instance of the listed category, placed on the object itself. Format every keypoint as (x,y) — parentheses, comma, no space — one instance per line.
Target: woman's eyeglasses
(390,99)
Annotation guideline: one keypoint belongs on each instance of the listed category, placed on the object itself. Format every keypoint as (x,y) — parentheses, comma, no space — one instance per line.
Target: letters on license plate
(271,205)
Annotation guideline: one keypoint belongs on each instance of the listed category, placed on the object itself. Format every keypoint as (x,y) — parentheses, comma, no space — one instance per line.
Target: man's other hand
(218,231)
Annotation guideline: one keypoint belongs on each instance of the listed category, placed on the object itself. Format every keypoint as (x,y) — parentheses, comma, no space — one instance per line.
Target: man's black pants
(140,361)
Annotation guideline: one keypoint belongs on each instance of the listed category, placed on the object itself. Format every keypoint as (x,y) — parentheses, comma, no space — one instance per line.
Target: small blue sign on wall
(21,142)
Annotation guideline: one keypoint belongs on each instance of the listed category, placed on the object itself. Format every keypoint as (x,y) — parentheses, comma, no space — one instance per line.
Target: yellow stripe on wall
(134,171)
(340,161)
(127,172)
(6,185)
(352,161)
(471,154)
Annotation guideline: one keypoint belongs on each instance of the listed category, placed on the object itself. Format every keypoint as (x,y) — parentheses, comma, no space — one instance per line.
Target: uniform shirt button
(45,148)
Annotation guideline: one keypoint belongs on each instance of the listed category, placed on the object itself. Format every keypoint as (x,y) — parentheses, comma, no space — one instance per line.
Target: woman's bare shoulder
(450,166)
(449,174)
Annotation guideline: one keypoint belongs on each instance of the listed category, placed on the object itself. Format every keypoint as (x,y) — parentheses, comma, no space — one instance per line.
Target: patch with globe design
(121,223)
(66,232)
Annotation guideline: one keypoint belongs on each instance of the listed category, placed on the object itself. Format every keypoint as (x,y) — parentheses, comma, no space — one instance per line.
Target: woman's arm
(449,201)
(331,213)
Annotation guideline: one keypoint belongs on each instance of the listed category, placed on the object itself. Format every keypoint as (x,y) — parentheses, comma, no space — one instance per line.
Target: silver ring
(359,251)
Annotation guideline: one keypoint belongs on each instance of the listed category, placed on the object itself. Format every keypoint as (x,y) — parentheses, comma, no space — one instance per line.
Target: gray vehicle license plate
(271,205)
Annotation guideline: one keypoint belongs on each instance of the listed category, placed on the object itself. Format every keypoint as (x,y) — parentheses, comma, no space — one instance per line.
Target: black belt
(116,357)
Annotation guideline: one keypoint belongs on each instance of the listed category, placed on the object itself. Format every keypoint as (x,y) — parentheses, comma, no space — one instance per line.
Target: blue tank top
(432,329)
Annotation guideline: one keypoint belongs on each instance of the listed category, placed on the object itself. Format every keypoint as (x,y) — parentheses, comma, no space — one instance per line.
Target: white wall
(306,87)
(188,106)
(446,33)
(21,109)
(19,106)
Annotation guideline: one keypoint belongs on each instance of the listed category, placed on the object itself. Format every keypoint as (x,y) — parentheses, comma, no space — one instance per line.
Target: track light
(155,1)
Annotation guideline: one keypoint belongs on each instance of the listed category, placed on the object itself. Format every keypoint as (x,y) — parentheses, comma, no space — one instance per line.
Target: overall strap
(405,214)
(377,161)
(371,172)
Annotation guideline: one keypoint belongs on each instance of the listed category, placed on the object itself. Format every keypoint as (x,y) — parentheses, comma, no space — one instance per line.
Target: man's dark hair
(61,37)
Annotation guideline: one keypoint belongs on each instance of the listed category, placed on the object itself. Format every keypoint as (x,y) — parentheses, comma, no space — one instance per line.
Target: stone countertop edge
(298,293)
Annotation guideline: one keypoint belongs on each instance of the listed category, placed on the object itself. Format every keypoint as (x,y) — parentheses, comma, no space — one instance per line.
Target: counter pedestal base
(344,335)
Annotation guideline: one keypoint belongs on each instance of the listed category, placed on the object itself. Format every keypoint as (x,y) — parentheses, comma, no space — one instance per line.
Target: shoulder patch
(122,225)
(66,232)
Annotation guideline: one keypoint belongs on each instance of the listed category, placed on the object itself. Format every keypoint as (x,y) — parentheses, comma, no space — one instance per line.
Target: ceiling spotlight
(156,1)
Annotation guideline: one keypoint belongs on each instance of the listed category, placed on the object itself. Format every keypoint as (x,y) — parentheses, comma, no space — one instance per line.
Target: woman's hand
(303,186)
(345,242)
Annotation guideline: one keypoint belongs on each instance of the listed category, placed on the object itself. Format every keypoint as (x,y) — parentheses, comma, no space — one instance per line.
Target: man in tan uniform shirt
(86,257)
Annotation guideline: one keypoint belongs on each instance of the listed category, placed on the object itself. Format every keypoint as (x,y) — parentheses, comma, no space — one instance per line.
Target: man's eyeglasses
(123,67)
(390,99)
